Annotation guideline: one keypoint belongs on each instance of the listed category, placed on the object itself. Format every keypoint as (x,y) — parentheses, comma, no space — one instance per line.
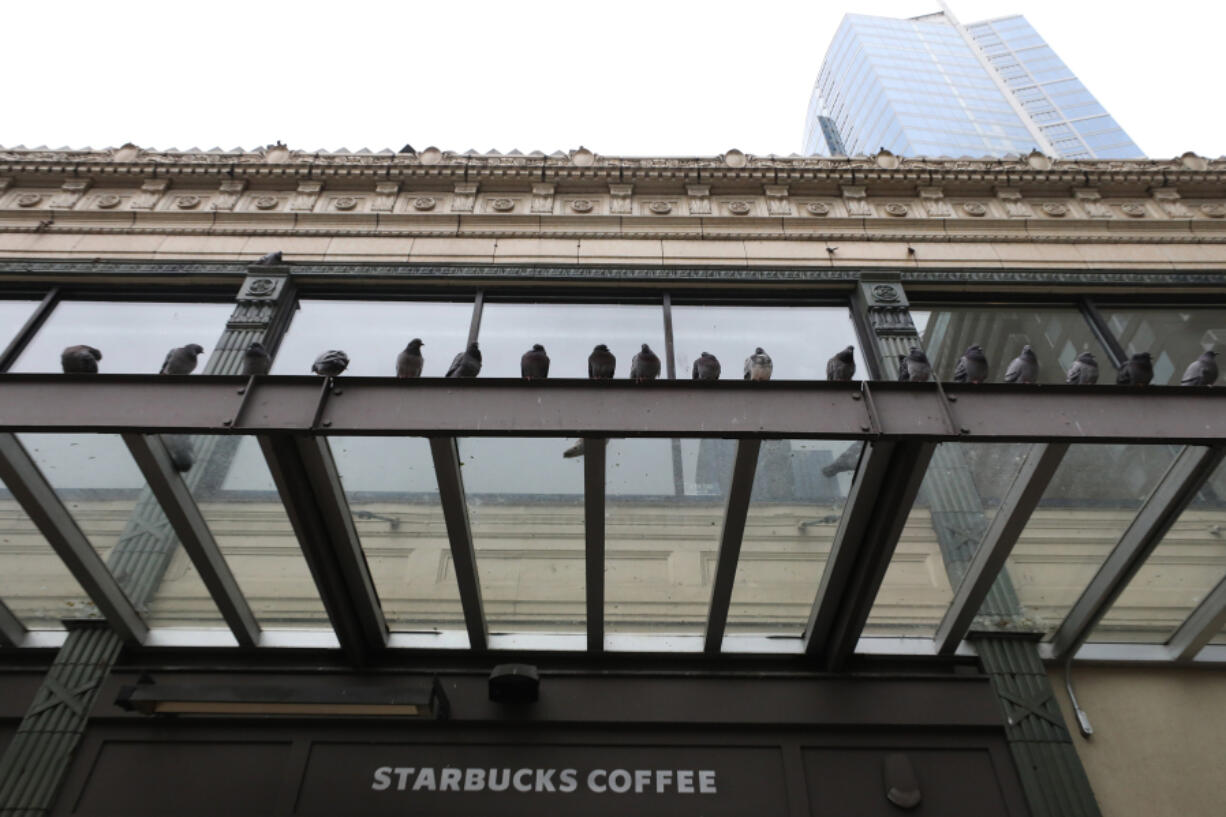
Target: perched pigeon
(916,365)
(904,374)
(466,363)
(847,461)
(758,366)
(181,359)
(706,367)
(270,260)
(842,366)
(80,359)
(1084,371)
(645,365)
(1024,368)
(972,366)
(534,365)
(601,363)
(409,361)
(331,363)
(182,454)
(256,359)
(1138,371)
(1202,372)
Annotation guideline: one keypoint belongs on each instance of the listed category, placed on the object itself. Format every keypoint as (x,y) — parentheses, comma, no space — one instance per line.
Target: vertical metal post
(736,512)
(594,457)
(670,369)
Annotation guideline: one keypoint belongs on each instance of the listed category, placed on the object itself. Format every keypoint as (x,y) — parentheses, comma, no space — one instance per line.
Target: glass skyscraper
(930,86)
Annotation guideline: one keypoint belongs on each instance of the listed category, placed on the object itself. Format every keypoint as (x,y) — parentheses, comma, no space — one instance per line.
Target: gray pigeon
(181,359)
(1084,371)
(706,367)
(182,454)
(916,364)
(847,461)
(256,359)
(601,363)
(270,260)
(1203,371)
(1024,368)
(331,363)
(466,363)
(843,365)
(534,365)
(972,366)
(645,365)
(758,366)
(1138,371)
(80,359)
(410,361)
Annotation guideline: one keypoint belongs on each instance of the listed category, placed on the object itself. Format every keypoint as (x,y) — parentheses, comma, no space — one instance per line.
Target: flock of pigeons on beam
(913,367)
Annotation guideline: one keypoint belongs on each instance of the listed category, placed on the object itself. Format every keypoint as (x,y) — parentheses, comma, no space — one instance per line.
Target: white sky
(661,77)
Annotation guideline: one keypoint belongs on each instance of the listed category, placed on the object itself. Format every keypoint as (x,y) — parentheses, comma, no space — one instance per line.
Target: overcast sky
(663,77)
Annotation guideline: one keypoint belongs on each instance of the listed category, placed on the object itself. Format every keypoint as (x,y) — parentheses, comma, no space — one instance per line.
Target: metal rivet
(953,398)
(226,422)
(242,391)
(327,422)
(337,391)
(866,428)
(855,396)
(966,430)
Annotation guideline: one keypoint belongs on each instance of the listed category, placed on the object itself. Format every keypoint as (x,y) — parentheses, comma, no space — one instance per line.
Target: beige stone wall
(1159,738)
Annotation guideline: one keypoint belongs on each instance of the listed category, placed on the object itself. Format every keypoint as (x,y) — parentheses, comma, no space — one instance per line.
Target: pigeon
(270,260)
(1084,371)
(972,366)
(409,361)
(1203,371)
(916,366)
(256,359)
(331,363)
(1138,371)
(534,365)
(645,365)
(842,366)
(80,359)
(706,367)
(847,461)
(758,366)
(1024,368)
(182,454)
(601,363)
(181,359)
(466,363)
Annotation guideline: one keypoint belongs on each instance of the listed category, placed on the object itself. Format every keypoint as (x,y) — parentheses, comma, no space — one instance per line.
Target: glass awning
(806,518)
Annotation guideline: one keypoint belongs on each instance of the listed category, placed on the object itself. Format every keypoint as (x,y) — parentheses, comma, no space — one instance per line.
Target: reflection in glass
(1184,567)
(799,339)
(1058,334)
(133,337)
(393,497)
(372,333)
(1175,336)
(568,332)
(798,495)
(525,506)
(13,315)
(34,583)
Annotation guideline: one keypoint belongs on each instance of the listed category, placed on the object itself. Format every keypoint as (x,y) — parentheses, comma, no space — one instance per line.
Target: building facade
(929,86)
(797,597)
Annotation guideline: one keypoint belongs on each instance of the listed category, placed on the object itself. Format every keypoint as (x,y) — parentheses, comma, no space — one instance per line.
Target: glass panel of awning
(239,502)
(393,497)
(97,480)
(798,495)
(14,314)
(35,585)
(525,510)
(1174,335)
(1187,564)
(662,533)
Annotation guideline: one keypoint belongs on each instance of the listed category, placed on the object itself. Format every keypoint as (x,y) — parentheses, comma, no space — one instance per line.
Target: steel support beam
(736,510)
(189,525)
(40,502)
(594,457)
(1201,625)
(311,491)
(998,541)
(459,533)
(881,496)
(1178,487)
(12,631)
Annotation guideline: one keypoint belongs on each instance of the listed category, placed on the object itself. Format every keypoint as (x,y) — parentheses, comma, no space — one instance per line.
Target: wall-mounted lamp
(412,698)
(515,684)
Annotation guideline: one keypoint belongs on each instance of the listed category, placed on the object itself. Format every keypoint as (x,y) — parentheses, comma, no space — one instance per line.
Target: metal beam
(877,506)
(459,533)
(189,525)
(594,457)
(736,510)
(40,502)
(1178,487)
(1201,625)
(998,541)
(310,488)
(12,631)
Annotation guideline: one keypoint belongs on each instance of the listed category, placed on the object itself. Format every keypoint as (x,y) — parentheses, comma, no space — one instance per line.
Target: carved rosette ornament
(660,208)
(818,208)
(265,202)
(345,202)
(1133,209)
(1054,209)
(188,202)
(1214,210)
(974,208)
(107,201)
(582,205)
(739,208)
(424,203)
(896,209)
(28,199)
(502,205)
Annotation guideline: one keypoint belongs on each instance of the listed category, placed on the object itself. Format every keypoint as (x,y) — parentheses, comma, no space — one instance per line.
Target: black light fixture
(412,698)
(515,684)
